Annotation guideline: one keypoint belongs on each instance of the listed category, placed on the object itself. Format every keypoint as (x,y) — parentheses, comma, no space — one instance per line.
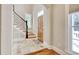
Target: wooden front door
(40,28)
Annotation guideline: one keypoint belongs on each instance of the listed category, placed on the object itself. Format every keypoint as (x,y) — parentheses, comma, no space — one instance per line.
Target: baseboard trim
(59,51)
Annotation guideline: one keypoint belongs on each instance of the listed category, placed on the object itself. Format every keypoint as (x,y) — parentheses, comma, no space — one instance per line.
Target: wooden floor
(44,52)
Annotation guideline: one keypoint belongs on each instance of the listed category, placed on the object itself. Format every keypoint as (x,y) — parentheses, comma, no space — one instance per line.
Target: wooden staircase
(31,35)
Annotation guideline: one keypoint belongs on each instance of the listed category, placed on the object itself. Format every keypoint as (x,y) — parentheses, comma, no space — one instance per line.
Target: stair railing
(20,22)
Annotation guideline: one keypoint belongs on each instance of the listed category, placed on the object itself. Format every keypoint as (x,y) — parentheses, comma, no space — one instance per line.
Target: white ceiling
(22,9)
(26,7)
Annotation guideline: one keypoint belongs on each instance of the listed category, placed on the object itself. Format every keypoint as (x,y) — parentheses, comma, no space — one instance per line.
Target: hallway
(30,28)
(39,29)
(44,24)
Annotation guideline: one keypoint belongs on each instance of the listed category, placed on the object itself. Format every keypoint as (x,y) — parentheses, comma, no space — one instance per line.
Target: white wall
(19,27)
(6,28)
(50,22)
(36,9)
(0,29)
(58,26)
(47,26)
(73,8)
(46,21)
(22,9)
(67,28)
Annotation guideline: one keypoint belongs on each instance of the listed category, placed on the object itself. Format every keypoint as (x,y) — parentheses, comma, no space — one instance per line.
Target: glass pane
(28,18)
(75,32)
(75,40)
(76,28)
(75,20)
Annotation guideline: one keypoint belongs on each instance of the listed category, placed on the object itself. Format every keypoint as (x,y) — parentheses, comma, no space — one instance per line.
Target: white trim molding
(59,50)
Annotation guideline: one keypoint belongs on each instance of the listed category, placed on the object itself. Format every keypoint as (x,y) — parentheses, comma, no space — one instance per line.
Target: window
(28,18)
(40,13)
(75,32)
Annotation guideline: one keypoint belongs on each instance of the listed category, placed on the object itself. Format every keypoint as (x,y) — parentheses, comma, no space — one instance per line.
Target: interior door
(40,28)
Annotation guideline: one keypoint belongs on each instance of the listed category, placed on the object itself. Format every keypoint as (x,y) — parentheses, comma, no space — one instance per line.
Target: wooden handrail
(22,20)
(17,14)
